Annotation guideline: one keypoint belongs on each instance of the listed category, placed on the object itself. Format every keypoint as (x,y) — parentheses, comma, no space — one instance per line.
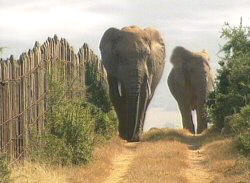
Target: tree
(233,81)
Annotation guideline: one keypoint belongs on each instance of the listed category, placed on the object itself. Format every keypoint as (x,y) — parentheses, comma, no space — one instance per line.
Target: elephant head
(134,61)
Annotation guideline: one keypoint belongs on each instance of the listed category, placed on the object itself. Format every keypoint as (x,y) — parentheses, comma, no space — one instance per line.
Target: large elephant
(190,81)
(134,61)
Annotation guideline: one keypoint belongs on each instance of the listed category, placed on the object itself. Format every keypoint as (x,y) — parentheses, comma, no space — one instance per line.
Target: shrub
(97,88)
(244,142)
(240,125)
(106,124)
(68,137)
(240,122)
(4,168)
(233,81)
(229,104)
(73,123)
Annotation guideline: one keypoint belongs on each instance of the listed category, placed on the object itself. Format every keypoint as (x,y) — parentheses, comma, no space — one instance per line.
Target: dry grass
(224,160)
(33,172)
(162,156)
(96,171)
(158,160)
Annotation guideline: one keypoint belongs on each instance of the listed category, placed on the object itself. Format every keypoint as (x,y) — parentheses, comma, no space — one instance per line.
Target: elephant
(134,59)
(190,81)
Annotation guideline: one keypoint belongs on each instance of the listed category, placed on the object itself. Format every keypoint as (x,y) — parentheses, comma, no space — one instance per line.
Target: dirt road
(196,171)
(121,165)
(160,161)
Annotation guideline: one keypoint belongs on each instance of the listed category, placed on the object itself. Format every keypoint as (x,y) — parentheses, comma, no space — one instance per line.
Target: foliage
(233,81)
(229,104)
(4,168)
(240,125)
(97,88)
(69,135)
(106,124)
(73,124)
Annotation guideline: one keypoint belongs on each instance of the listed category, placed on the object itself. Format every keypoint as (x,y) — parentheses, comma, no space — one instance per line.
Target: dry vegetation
(158,161)
(224,161)
(162,156)
(96,171)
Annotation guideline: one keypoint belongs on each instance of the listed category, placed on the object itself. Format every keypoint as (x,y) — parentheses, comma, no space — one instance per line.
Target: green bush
(240,125)
(74,123)
(4,168)
(106,124)
(97,88)
(244,142)
(51,149)
(68,137)
(233,81)
(240,122)
(229,104)
(224,105)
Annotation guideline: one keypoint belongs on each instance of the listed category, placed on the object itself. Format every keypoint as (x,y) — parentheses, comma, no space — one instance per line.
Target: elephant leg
(186,114)
(118,103)
(201,120)
(143,117)
(144,102)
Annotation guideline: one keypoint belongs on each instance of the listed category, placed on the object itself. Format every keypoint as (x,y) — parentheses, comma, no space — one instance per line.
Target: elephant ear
(157,46)
(107,45)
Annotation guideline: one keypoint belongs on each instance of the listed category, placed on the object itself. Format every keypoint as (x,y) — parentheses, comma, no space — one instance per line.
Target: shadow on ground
(193,141)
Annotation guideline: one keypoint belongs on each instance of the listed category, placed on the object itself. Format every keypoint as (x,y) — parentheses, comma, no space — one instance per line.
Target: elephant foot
(136,138)
(192,131)
(189,127)
(201,127)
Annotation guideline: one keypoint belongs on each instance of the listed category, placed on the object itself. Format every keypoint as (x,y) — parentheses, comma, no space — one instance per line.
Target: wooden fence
(24,89)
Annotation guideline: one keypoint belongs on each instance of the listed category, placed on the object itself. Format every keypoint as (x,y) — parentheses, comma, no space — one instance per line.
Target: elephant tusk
(120,89)
(149,88)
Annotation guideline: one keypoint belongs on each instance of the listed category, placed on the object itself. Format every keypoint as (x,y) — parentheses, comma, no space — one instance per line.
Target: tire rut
(196,172)
(121,164)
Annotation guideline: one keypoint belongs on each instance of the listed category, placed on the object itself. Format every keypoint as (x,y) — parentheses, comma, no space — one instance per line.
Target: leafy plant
(73,123)
(97,88)
(240,125)
(4,168)
(229,104)
(233,81)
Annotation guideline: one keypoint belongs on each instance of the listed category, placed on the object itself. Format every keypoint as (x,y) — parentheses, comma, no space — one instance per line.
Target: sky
(194,24)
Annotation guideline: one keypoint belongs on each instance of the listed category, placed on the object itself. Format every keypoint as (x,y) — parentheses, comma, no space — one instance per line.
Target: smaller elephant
(190,81)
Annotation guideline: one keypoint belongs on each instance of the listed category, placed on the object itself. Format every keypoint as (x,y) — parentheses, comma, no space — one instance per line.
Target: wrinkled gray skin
(190,81)
(134,61)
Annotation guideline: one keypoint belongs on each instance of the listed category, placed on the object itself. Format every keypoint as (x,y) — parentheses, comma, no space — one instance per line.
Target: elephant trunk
(133,101)
(136,108)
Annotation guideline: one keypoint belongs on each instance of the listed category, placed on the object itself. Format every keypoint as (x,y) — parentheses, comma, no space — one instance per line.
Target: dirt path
(196,172)
(121,164)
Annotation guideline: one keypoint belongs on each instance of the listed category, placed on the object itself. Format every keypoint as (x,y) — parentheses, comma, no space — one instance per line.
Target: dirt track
(121,164)
(194,171)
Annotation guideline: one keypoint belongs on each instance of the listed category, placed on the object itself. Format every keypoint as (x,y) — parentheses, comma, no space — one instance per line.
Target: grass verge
(96,171)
